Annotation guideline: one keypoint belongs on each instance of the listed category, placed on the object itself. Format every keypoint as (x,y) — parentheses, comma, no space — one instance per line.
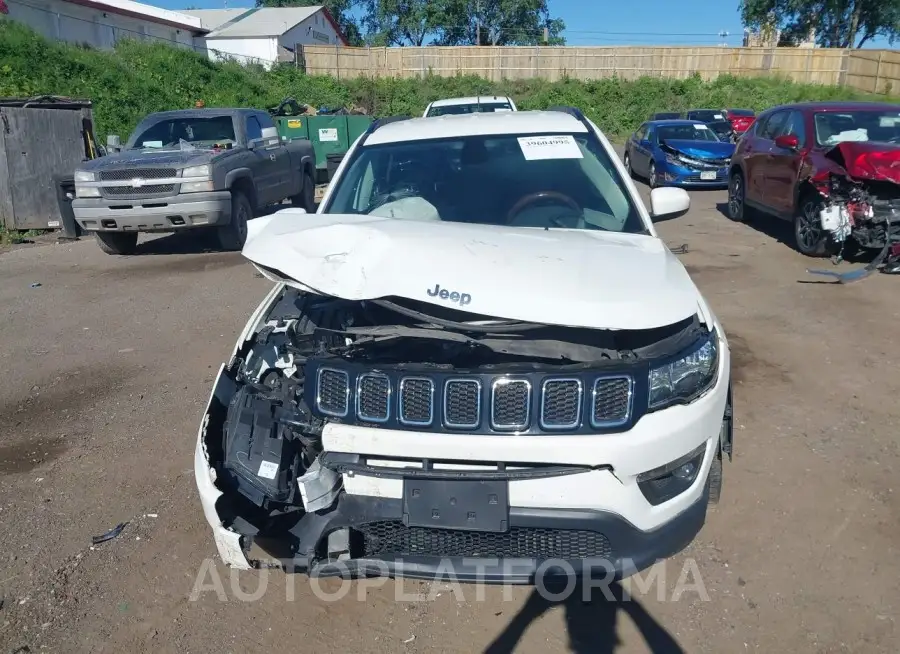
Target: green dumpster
(292,127)
(329,137)
(356,126)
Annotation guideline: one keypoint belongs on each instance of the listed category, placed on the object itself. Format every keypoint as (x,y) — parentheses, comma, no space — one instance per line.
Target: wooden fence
(875,71)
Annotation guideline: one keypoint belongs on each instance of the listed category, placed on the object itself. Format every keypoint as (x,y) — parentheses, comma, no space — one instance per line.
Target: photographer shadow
(591,623)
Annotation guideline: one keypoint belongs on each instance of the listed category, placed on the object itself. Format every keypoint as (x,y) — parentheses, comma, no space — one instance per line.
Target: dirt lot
(107,366)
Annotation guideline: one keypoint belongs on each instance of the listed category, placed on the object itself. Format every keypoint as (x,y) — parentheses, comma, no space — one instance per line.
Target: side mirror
(668,201)
(269,133)
(787,141)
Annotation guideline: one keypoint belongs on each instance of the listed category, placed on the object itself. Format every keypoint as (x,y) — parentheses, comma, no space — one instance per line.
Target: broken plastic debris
(35,284)
(681,249)
(409,640)
(112,533)
(318,487)
(151,515)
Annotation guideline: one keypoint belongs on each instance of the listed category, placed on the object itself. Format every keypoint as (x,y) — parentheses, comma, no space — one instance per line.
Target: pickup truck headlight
(684,379)
(202,179)
(82,191)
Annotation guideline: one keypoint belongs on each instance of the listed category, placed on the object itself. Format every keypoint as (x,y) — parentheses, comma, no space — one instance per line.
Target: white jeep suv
(478,359)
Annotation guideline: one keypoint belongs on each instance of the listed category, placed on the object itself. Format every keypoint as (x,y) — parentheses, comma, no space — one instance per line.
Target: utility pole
(477,23)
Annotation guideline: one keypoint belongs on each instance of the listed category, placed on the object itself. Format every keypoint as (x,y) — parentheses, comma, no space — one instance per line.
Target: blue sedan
(678,153)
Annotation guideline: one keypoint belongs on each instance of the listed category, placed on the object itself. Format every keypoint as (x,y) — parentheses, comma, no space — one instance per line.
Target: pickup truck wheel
(809,237)
(233,235)
(307,197)
(117,242)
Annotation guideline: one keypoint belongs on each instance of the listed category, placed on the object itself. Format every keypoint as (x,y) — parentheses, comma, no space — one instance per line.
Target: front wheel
(809,237)
(628,167)
(307,197)
(737,209)
(652,180)
(233,235)
(117,242)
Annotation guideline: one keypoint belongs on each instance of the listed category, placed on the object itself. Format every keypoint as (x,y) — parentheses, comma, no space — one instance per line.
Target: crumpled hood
(577,278)
(701,149)
(868,160)
(151,158)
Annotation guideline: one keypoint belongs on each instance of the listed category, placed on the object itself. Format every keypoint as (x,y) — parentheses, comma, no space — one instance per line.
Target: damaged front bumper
(568,497)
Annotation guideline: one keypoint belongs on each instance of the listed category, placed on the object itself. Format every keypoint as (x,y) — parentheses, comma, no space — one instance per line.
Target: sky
(614,22)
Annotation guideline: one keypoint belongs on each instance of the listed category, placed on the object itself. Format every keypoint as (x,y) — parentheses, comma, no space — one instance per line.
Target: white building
(267,35)
(101,23)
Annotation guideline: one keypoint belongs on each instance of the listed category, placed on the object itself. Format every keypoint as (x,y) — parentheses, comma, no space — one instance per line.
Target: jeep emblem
(462,299)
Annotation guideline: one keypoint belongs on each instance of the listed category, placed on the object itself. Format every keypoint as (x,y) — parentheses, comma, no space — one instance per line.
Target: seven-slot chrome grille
(527,403)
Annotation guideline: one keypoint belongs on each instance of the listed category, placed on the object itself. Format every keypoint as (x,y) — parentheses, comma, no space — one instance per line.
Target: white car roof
(448,102)
(480,124)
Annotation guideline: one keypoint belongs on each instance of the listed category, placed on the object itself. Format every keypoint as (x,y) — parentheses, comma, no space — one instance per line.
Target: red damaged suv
(740,119)
(832,169)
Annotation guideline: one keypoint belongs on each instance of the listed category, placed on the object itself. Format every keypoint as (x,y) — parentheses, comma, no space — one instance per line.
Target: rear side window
(254,131)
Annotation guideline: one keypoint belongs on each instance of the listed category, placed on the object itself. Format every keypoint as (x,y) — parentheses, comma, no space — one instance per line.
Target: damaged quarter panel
(491,392)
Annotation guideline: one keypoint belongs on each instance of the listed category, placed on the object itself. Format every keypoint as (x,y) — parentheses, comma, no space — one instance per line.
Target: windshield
(206,131)
(833,127)
(740,113)
(545,181)
(689,132)
(706,115)
(483,107)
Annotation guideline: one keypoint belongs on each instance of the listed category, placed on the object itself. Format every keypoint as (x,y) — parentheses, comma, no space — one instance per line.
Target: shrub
(140,77)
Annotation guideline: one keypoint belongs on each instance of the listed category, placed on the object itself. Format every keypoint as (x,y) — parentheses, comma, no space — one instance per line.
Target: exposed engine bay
(862,202)
(318,359)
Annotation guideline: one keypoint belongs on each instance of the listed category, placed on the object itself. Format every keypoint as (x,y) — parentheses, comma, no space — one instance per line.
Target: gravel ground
(108,363)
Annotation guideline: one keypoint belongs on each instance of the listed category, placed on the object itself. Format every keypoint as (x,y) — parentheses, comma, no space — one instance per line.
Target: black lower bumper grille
(393,538)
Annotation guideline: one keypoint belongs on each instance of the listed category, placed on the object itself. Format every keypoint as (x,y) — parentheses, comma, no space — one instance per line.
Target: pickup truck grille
(491,403)
(125,174)
(144,174)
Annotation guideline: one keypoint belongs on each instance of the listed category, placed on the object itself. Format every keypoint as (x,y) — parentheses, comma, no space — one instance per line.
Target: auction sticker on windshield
(700,127)
(553,146)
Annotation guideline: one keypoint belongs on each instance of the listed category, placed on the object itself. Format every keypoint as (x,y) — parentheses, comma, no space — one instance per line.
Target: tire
(117,242)
(306,198)
(627,162)
(809,237)
(714,480)
(233,235)
(652,182)
(737,208)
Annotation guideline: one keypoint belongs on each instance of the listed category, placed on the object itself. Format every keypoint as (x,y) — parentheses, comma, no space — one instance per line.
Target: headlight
(197,171)
(204,172)
(85,191)
(682,380)
(670,159)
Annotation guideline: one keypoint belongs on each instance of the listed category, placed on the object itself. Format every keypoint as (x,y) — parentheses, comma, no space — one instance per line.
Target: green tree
(400,22)
(837,23)
(497,22)
(340,10)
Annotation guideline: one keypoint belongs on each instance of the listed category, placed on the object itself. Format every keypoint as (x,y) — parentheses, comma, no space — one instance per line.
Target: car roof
(479,124)
(674,121)
(448,102)
(839,106)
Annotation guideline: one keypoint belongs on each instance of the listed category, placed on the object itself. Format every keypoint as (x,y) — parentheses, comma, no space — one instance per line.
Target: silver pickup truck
(190,169)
